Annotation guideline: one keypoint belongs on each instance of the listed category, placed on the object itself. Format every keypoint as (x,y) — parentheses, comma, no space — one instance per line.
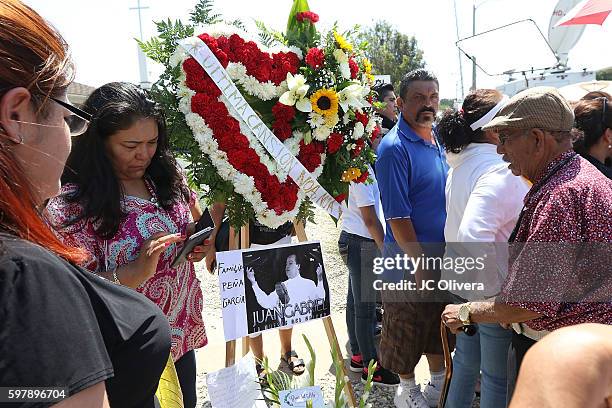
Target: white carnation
(358,131)
(321,133)
(297,51)
(316,120)
(177,56)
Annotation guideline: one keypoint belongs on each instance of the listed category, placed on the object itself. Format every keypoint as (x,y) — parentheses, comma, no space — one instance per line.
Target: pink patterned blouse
(175,290)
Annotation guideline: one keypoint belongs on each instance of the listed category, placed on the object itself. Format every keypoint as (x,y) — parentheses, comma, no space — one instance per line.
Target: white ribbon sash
(286,160)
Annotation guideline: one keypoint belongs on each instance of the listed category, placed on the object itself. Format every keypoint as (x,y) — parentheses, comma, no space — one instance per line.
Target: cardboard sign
(270,287)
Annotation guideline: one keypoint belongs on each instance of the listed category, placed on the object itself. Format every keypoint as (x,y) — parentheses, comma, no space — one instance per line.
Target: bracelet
(116,278)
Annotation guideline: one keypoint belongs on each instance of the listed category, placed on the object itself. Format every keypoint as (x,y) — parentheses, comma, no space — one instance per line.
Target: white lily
(371,125)
(296,95)
(340,56)
(353,95)
(342,60)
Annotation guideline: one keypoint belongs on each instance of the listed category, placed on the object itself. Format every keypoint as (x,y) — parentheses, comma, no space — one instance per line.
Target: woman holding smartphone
(125,201)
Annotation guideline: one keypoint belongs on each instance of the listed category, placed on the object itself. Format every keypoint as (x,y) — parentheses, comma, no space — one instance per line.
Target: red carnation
(354,68)
(282,130)
(262,70)
(340,197)
(375,133)
(307,15)
(358,147)
(362,117)
(362,178)
(208,40)
(283,112)
(315,58)
(223,45)
(294,62)
(334,142)
(235,43)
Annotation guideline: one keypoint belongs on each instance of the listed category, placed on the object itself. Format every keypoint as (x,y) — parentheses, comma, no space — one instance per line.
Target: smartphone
(203,229)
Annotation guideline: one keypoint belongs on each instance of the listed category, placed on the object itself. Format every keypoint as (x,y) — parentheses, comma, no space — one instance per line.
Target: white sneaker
(431,393)
(409,398)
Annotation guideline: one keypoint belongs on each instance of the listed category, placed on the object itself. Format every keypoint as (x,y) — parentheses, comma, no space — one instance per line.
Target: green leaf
(267,36)
(203,13)
(311,363)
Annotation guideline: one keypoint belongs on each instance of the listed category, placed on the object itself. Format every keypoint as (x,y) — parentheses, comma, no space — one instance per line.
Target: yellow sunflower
(345,45)
(325,102)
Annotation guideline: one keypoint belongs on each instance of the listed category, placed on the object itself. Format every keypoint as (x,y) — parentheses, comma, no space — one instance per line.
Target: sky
(101,33)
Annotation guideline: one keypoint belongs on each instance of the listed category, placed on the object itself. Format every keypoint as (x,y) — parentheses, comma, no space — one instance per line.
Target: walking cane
(469,330)
(448,362)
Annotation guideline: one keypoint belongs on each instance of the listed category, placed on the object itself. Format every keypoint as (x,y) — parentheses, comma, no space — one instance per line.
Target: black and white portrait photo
(285,286)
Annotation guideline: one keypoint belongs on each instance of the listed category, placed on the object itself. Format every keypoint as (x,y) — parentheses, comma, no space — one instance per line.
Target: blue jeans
(486,352)
(360,315)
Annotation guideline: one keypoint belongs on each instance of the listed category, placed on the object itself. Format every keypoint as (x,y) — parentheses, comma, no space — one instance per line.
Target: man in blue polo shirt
(411,171)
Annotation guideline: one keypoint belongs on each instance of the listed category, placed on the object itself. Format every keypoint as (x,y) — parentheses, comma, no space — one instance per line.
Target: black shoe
(356,363)
(382,377)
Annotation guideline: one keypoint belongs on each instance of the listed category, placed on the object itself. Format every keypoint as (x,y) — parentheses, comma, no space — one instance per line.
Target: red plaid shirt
(560,263)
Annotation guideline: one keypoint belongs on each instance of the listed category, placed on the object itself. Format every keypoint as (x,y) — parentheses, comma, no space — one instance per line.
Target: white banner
(287,161)
(270,287)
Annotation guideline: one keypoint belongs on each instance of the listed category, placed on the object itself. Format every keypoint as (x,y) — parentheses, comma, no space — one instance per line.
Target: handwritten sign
(298,398)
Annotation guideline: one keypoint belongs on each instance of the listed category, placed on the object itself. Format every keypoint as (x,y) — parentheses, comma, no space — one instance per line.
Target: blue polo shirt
(411,176)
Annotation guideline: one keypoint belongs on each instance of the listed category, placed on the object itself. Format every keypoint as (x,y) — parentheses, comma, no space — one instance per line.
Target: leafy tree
(390,51)
(604,74)
(446,103)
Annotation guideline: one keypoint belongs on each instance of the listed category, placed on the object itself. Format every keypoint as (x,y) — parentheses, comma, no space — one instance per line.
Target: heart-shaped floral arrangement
(311,90)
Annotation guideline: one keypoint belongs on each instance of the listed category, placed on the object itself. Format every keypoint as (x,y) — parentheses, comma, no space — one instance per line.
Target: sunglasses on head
(604,107)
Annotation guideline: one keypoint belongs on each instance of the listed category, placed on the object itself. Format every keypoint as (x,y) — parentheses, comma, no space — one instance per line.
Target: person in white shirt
(483,202)
(295,298)
(361,239)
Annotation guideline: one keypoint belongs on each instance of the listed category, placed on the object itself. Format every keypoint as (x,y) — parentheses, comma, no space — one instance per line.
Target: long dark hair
(454,127)
(590,120)
(117,106)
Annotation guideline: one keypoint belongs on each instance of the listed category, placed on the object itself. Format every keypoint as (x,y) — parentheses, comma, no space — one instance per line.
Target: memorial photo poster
(273,286)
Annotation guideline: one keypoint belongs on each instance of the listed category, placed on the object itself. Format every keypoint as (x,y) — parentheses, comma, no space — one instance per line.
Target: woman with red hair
(103,344)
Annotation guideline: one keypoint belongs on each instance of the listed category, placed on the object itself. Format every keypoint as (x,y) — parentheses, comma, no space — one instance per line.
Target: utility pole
(458,51)
(473,57)
(142,59)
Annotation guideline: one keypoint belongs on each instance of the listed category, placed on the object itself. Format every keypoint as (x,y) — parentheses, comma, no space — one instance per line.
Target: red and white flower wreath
(232,148)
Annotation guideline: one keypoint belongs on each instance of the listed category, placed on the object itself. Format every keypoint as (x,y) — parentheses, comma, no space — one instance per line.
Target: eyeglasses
(504,136)
(78,121)
(604,124)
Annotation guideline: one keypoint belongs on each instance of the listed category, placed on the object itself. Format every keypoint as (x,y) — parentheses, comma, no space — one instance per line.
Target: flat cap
(539,107)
